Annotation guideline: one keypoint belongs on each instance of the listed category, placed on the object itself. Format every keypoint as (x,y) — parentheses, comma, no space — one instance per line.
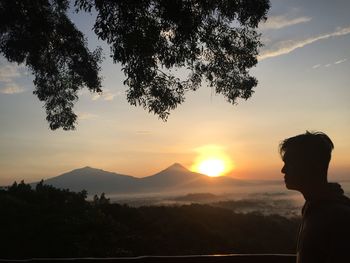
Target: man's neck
(315,191)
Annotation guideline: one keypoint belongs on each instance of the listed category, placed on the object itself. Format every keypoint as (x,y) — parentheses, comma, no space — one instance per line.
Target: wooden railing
(233,258)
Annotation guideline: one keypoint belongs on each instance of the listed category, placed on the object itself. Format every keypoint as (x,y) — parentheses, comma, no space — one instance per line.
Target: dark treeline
(50,222)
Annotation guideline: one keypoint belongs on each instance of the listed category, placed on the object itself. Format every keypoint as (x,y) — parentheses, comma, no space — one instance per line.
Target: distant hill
(174,179)
(174,176)
(94,181)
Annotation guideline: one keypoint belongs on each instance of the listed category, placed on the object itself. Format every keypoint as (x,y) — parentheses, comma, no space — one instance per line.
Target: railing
(233,258)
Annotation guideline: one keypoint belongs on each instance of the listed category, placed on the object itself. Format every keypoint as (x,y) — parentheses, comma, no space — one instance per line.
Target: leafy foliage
(49,222)
(40,35)
(214,41)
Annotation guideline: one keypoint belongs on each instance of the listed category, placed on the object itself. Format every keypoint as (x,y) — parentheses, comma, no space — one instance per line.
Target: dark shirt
(324,234)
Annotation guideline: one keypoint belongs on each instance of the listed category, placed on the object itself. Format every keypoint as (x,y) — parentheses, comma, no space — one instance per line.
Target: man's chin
(290,186)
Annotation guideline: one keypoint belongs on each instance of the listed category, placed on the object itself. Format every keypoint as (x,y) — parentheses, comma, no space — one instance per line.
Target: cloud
(11,88)
(96,96)
(285,47)
(330,64)
(109,96)
(277,22)
(9,72)
(106,96)
(86,116)
(340,61)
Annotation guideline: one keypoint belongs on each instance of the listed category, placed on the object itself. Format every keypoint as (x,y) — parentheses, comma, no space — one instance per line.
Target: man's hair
(311,147)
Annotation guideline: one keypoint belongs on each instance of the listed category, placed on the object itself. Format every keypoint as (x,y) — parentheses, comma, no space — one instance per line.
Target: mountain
(175,178)
(94,181)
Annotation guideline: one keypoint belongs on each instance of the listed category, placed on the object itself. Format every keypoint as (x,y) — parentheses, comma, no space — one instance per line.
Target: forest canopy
(50,222)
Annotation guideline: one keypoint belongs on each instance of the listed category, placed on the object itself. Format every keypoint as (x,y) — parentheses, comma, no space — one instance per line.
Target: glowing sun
(212,161)
(212,167)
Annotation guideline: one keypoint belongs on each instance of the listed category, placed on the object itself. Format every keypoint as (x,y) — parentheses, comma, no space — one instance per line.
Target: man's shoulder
(327,211)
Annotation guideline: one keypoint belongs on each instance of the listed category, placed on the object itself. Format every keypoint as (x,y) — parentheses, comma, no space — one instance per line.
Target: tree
(102,200)
(39,34)
(215,41)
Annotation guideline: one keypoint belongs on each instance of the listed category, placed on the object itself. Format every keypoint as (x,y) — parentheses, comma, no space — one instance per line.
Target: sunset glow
(303,54)
(212,167)
(212,161)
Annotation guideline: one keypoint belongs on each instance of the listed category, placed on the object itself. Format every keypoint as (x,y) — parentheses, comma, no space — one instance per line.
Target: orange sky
(303,76)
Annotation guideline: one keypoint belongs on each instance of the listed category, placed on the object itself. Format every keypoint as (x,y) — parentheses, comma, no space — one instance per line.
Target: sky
(304,84)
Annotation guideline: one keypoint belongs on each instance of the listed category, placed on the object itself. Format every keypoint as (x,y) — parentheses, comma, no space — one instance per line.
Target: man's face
(294,171)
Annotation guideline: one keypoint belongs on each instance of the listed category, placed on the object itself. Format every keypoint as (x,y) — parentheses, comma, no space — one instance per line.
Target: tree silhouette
(215,41)
(46,222)
(39,34)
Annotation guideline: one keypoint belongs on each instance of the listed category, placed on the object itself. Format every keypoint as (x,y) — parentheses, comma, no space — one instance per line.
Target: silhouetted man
(324,234)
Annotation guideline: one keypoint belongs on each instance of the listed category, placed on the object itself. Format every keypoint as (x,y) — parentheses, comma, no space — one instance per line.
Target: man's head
(306,158)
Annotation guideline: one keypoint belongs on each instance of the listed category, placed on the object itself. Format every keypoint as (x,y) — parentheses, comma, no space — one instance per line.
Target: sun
(212,160)
(212,167)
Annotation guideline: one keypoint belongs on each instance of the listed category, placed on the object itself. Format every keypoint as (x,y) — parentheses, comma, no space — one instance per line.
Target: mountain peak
(87,168)
(177,166)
